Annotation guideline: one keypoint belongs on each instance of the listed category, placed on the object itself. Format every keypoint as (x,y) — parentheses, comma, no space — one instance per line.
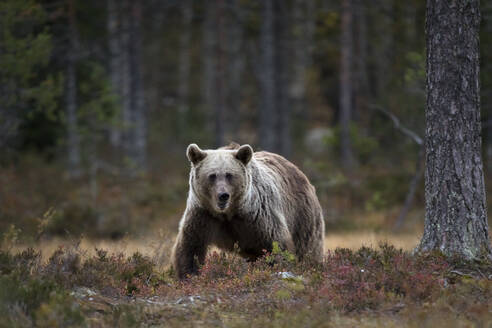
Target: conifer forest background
(99,100)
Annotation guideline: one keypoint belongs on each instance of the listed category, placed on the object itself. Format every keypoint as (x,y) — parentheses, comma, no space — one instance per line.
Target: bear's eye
(212,177)
(228,176)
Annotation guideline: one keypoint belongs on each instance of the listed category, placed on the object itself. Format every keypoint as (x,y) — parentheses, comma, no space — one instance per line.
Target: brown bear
(249,199)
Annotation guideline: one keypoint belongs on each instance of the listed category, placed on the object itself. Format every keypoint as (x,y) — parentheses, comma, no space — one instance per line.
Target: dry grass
(368,287)
(125,246)
(357,239)
(159,248)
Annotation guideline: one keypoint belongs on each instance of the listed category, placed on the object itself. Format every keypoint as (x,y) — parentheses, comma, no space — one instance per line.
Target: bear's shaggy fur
(252,199)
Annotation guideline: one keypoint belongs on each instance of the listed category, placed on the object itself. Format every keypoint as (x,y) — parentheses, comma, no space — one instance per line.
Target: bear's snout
(223,197)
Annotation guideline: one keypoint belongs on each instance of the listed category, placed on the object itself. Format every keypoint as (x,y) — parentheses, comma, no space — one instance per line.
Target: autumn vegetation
(363,287)
(99,99)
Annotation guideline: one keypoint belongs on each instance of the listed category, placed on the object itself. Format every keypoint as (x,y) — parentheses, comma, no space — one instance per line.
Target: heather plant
(60,310)
(368,278)
(24,290)
(111,272)
(72,288)
(221,265)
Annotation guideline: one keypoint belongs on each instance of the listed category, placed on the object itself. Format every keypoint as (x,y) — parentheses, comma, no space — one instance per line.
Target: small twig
(461,273)
(484,276)
(396,121)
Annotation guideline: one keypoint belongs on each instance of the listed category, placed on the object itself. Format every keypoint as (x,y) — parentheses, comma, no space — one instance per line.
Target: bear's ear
(195,154)
(244,154)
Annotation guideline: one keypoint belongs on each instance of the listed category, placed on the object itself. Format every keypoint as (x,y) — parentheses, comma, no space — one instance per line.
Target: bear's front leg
(191,244)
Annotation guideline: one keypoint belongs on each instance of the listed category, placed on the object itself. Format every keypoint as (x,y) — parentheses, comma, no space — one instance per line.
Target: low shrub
(347,283)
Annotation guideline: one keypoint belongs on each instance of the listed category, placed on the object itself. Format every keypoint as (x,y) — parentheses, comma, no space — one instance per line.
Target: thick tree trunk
(73,138)
(486,73)
(267,117)
(456,217)
(184,65)
(347,157)
(114,64)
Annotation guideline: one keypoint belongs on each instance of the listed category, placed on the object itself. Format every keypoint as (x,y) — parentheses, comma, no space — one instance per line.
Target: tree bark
(73,136)
(267,79)
(456,217)
(347,157)
(486,59)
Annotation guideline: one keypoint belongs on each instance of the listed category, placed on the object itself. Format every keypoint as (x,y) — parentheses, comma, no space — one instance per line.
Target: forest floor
(364,282)
(159,248)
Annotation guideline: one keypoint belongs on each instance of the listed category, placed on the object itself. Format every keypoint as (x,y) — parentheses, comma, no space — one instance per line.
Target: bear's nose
(223,196)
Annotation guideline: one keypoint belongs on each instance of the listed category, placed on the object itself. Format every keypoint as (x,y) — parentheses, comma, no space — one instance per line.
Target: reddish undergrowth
(347,282)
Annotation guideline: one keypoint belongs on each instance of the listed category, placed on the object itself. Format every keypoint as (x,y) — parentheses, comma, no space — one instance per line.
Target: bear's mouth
(222,205)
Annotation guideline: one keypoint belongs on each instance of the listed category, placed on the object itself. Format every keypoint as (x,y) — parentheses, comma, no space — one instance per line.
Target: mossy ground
(367,287)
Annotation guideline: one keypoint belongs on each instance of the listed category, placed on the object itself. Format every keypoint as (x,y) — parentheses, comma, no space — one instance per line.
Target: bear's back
(285,171)
(283,186)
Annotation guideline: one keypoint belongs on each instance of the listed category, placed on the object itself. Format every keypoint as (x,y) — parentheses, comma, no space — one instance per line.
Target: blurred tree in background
(28,89)
(98,100)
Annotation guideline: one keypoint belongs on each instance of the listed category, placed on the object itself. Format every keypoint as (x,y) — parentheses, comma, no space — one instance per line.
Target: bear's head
(220,178)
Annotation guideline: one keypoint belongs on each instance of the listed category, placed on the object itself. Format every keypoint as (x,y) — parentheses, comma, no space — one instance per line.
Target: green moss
(60,310)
